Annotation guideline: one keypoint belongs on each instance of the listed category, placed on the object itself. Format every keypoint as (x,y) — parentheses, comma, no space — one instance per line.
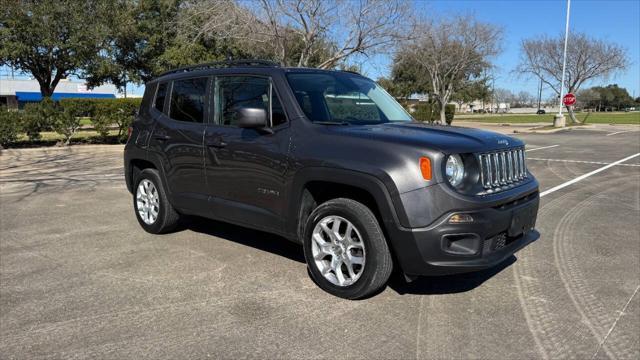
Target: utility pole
(493,93)
(539,94)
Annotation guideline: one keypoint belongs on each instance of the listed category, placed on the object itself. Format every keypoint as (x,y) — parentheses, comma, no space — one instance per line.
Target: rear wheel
(345,249)
(153,210)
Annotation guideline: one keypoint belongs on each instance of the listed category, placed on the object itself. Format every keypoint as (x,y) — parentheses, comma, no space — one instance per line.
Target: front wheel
(345,249)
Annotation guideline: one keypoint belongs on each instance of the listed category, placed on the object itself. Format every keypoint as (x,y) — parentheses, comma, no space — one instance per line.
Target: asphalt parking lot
(80,279)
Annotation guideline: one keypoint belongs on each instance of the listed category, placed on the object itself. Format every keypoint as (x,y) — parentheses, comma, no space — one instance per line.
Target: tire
(326,252)
(166,217)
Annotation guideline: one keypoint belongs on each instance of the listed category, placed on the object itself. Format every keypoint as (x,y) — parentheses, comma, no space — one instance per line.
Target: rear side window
(188,100)
(161,94)
(235,92)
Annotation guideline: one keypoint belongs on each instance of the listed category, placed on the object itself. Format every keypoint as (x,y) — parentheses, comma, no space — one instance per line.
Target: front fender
(385,198)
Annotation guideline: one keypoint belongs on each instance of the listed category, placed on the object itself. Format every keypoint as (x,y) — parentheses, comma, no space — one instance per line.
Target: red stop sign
(569,99)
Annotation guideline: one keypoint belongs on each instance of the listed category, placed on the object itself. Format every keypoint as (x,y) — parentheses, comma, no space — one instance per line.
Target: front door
(177,139)
(245,168)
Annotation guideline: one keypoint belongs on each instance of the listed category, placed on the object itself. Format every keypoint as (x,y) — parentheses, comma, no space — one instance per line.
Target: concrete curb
(72,148)
(552,131)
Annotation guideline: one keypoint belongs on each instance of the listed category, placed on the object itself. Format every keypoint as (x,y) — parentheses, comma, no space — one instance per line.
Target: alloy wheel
(147,201)
(338,250)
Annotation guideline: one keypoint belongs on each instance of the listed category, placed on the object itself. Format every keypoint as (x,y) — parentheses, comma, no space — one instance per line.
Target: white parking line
(582,162)
(620,132)
(540,148)
(582,177)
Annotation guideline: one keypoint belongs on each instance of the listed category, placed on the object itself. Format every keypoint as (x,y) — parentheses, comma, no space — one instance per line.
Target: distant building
(482,107)
(14,93)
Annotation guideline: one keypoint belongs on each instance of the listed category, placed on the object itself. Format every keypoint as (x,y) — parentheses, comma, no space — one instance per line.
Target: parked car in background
(330,160)
(541,112)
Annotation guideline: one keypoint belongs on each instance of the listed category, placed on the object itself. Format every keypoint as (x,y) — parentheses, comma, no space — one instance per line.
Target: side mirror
(251,118)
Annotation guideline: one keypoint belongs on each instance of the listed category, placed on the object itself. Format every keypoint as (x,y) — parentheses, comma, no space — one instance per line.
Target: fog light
(460,219)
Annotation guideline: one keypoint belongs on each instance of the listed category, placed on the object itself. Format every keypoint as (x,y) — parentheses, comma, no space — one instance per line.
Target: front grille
(502,168)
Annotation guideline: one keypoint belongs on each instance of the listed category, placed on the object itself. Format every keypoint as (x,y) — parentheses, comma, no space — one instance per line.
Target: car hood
(446,139)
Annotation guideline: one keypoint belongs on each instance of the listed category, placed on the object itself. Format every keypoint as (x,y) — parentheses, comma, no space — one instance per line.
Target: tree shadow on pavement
(257,239)
(449,284)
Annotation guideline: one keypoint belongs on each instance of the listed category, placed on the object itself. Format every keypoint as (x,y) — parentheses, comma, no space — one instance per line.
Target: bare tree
(588,98)
(587,59)
(523,99)
(306,32)
(450,53)
(502,96)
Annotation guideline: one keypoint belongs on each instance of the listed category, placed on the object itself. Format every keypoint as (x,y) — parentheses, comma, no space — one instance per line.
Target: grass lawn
(594,118)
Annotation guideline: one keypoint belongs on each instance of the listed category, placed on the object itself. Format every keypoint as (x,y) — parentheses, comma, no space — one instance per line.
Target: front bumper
(496,233)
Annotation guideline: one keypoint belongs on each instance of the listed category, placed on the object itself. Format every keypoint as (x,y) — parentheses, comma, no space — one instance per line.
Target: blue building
(14,93)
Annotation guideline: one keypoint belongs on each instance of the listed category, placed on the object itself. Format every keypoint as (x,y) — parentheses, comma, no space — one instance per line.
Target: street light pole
(564,59)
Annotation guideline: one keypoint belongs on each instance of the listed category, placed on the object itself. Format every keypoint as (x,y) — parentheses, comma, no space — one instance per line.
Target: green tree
(471,91)
(51,39)
(607,97)
(150,37)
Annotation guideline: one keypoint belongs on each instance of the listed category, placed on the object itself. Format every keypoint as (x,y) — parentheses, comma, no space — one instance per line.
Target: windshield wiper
(331,122)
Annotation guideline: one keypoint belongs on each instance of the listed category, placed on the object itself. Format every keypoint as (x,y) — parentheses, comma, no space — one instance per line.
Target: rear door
(245,168)
(180,109)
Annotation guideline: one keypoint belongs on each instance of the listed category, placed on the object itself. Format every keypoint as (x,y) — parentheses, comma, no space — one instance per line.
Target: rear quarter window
(161,94)
(188,99)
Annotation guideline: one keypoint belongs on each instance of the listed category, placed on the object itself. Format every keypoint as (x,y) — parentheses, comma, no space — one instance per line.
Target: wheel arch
(313,186)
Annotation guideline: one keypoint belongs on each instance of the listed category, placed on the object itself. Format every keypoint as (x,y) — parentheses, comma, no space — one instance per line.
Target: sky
(615,20)
(618,21)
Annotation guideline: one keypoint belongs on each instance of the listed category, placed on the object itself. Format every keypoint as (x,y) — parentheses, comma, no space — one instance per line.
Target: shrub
(425,112)
(119,112)
(449,111)
(101,122)
(38,117)
(67,119)
(83,107)
(9,126)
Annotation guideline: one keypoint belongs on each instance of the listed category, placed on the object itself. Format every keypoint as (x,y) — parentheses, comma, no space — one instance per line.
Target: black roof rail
(222,64)
(352,72)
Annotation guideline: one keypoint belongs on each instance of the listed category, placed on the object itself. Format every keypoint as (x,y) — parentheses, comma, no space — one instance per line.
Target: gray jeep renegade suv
(330,160)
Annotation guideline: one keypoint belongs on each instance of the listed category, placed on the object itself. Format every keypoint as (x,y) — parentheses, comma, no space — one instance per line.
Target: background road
(79,277)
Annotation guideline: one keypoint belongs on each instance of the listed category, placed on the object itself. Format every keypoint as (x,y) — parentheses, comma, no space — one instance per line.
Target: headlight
(454,170)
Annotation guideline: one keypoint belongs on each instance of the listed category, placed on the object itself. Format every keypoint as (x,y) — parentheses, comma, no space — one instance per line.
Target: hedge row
(64,117)
(431,112)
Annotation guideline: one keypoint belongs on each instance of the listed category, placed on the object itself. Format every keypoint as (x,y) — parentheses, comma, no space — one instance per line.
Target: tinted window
(244,91)
(161,94)
(188,100)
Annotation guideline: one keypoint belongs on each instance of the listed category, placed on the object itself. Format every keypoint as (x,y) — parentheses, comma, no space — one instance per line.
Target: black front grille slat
(502,168)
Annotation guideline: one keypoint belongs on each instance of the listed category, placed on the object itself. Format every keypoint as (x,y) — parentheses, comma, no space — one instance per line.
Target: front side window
(235,92)
(161,94)
(344,97)
(188,99)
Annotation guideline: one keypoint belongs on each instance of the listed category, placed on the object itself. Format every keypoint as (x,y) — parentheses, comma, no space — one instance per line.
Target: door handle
(161,137)
(217,143)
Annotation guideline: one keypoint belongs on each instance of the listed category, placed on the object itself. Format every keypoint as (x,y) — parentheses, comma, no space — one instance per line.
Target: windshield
(344,98)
